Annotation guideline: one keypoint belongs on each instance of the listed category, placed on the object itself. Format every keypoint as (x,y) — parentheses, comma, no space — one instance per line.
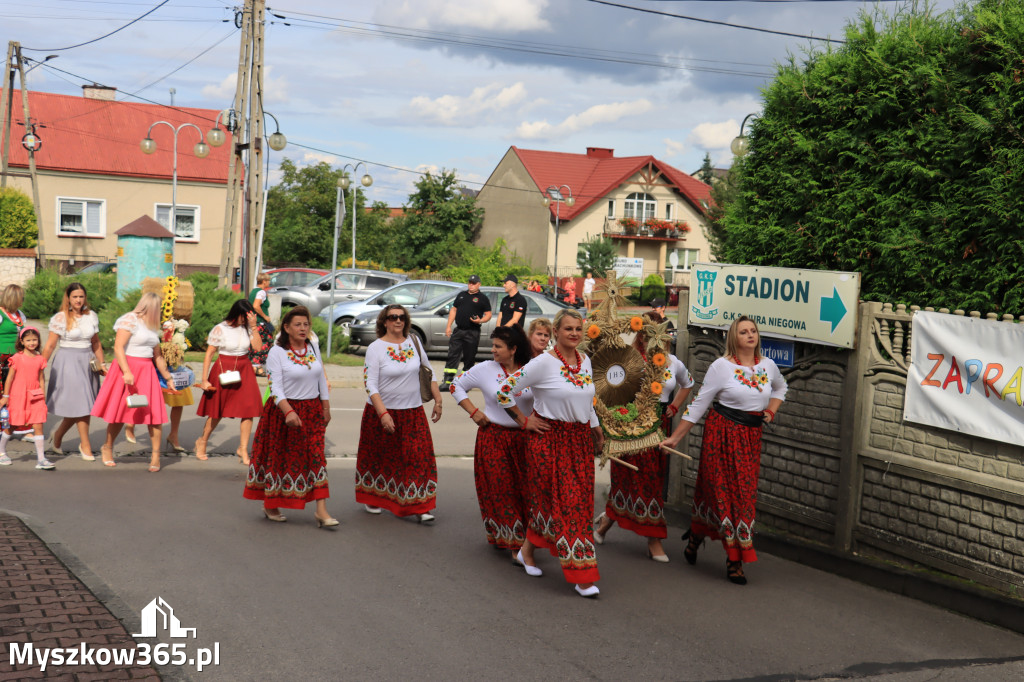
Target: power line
(94,40)
(715,22)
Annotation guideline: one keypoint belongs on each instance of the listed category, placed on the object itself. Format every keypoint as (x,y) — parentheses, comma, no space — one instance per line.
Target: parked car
(429,319)
(109,266)
(351,285)
(294,277)
(408,293)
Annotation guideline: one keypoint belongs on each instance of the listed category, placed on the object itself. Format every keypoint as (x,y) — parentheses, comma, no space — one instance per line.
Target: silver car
(408,293)
(429,320)
(351,285)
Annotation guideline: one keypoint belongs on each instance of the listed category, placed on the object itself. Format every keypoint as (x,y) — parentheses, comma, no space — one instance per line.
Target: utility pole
(6,118)
(254,185)
(235,125)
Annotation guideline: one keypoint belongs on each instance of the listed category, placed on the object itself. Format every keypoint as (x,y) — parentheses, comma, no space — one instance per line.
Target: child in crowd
(23,395)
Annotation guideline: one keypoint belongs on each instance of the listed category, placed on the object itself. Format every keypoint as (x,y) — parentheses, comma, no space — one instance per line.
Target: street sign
(631,268)
(781,351)
(819,306)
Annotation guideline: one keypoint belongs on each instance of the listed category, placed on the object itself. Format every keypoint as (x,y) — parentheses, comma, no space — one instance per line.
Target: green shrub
(108,316)
(45,291)
(18,229)
(209,309)
(339,340)
(654,287)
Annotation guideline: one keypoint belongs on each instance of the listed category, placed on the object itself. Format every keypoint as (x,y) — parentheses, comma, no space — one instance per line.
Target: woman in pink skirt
(240,399)
(134,375)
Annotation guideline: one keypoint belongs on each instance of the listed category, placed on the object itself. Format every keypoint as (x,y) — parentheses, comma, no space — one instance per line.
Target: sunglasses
(395,318)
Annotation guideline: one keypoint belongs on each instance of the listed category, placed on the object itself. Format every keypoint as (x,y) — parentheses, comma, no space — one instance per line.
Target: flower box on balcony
(629,225)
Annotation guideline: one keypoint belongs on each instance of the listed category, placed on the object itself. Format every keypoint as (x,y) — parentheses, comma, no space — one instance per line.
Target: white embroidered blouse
(80,335)
(392,371)
(488,377)
(675,375)
(229,340)
(738,387)
(291,380)
(143,339)
(557,392)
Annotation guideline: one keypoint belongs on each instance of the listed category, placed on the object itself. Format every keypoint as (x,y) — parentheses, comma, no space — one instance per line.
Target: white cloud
(223,91)
(595,115)
(310,158)
(710,136)
(275,90)
(673,147)
(503,16)
(453,110)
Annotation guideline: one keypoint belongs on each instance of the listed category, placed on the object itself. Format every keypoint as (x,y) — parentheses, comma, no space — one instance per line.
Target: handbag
(35,394)
(426,372)
(95,365)
(230,377)
(137,400)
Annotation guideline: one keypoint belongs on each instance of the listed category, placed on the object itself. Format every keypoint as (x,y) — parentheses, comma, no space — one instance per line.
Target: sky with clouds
(416,85)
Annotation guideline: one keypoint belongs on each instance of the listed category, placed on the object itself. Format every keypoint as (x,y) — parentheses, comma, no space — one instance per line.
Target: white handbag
(229,377)
(137,400)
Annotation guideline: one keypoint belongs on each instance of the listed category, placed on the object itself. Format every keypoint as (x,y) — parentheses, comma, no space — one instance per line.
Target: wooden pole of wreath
(676,452)
(624,463)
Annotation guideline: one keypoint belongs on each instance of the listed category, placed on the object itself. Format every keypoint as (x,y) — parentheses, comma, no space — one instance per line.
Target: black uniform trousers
(461,344)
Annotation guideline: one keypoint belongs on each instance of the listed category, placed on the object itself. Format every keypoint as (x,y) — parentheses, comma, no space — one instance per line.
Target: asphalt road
(388,599)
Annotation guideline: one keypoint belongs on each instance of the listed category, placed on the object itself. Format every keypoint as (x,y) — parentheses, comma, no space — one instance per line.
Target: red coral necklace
(579,361)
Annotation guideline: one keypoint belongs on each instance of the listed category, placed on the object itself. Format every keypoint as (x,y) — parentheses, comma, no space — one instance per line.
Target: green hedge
(45,291)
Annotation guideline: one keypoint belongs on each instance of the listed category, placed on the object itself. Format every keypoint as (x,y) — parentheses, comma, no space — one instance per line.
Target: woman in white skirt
(73,385)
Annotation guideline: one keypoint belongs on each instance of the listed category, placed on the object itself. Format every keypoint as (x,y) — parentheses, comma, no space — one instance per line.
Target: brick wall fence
(841,469)
(17,266)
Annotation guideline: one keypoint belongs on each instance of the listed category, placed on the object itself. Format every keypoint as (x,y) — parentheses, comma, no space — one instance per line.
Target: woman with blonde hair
(563,436)
(73,385)
(133,378)
(539,335)
(12,321)
(744,391)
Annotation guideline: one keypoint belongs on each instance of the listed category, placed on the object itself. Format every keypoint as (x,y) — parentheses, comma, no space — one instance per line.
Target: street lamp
(741,144)
(555,194)
(201,150)
(339,213)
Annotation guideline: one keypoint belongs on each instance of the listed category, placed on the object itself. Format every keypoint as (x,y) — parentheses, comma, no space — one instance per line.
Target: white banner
(966,375)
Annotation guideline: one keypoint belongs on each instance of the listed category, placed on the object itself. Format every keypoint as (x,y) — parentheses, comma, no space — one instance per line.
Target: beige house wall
(514,211)
(126,199)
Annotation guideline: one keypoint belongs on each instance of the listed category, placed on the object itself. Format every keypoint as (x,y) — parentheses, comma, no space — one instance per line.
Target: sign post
(817,306)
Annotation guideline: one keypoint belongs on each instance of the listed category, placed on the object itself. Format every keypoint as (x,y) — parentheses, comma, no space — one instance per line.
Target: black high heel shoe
(734,572)
(693,544)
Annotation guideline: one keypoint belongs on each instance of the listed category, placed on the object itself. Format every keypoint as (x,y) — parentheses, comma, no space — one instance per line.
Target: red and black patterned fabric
(560,497)
(498,469)
(636,500)
(236,401)
(726,490)
(267,336)
(287,468)
(396,471)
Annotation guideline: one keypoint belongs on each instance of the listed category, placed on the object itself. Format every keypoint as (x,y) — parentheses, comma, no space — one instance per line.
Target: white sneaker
(371,510)
(45,464)
(5,461)
(426,518)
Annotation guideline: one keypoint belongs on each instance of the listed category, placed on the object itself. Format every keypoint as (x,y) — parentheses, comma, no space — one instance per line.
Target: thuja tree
(899,155)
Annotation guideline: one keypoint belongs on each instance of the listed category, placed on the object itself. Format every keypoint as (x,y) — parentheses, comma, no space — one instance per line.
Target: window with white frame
(80,217)
(611,208)
(186,217)
(687,257)
(640,206)
(668,211)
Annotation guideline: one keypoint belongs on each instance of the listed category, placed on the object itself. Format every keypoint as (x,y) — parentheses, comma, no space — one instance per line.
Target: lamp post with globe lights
(740,144)
(201,150)
(339,212)
(555,194)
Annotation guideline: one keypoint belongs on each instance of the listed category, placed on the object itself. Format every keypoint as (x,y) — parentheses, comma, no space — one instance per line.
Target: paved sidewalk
(42,602)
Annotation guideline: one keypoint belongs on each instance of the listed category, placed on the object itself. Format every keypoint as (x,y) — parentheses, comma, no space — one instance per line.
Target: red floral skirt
(396,471)
(636,500)
(288,468)
(560,497)
(236,401)
(498,471)
(726,490)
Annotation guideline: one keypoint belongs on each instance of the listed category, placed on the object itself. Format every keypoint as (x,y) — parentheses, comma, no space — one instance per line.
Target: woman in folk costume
(563,436)
(288,467)
(636,499)
(498,456)
(395,466)
(744,391)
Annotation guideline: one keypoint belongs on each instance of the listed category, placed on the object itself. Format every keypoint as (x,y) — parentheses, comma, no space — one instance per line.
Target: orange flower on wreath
(593,331)
(658,359)
(636,323)
(656,387)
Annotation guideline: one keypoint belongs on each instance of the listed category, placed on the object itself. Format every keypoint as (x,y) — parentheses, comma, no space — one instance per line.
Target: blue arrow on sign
(832,309)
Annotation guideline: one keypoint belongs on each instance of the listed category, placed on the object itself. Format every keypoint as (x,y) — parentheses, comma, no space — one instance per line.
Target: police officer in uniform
(513,306)
(470,310)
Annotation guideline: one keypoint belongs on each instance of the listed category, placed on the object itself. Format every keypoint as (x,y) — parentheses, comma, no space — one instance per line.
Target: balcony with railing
(646,229)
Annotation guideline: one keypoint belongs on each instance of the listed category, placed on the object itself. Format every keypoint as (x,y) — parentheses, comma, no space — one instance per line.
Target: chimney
(600,152)
(95,91)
